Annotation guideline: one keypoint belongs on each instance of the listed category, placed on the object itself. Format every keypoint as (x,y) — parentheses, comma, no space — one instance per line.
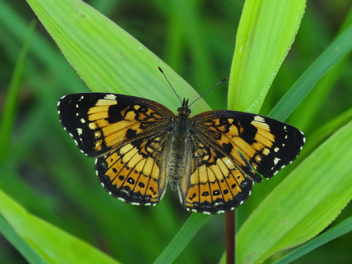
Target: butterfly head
(184,109)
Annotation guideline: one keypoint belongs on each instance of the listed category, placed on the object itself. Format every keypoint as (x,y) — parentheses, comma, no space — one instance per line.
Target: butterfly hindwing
(215,183)
(134,173)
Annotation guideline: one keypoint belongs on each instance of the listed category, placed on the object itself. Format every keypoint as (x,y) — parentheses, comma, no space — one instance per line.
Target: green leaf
(8,115)
(335,232)
(106,57)
(265,35)
(183,237)
(47,242)
(332,55)
(26,251)
(303,204)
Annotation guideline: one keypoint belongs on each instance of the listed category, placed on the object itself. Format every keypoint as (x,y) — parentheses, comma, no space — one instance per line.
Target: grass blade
(183,237)
(8,116)
(333,233)
(332,55)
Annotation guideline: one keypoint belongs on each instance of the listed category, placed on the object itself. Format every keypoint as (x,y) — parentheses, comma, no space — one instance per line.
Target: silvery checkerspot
(212,159)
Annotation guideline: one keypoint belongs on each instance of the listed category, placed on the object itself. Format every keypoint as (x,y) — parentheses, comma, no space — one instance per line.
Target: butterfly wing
(127,135)
(135,172)
(215,184)
(229,150)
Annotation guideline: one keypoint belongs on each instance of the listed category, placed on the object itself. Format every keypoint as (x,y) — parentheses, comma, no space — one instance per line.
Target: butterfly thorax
(178,159)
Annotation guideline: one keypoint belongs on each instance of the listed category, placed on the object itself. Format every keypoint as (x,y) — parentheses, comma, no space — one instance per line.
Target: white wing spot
(276,161)
(266,151)
(79,131)
(259,119)
(110,97)
(77,105)
(83,121)
(276,149)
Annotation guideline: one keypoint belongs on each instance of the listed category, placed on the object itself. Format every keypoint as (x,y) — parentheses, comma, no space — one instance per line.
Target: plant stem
(230,237)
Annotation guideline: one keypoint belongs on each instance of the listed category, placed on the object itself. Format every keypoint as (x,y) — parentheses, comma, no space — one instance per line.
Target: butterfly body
(212,159)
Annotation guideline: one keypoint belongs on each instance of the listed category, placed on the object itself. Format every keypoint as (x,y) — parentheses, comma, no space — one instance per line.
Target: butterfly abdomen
(177,164)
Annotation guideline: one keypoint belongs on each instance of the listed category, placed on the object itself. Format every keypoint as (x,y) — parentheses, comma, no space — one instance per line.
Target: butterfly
(212,159)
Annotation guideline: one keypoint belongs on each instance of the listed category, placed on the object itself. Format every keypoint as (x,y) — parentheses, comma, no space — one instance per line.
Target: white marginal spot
(110,193)
(148,204)
(241,202)
(194,210)
(58,111)
(102,184)
(208,213)
(134,203)
(154,204)
(283,166)
(275,172)
(276,161)
(259,119)
(110,97)
(58,103)
(285,128)
(80,99)
(70,134)
(121,199)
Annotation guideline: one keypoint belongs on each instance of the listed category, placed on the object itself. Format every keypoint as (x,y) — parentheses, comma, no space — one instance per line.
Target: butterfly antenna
(170,84)
(207,91)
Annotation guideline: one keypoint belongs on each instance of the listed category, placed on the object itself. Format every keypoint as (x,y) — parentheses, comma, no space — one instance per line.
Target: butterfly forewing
(100,122)
(265,143)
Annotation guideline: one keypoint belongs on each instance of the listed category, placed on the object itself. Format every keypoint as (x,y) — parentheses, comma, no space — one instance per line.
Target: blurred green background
(47,174)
